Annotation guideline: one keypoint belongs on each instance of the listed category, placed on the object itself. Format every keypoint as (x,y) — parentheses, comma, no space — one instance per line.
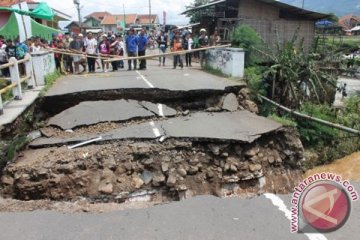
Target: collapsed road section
(130,149)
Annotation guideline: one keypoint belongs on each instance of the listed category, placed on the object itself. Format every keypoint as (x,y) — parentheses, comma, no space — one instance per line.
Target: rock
(171,181)
(158,179)
(193,169)
(148,161)
(224,155)
(110,163)
(213,109)
(194,161)
(255,167)
(215,149)
(106,188)
(233,168)
(210,174)
(271,159)
(181,187)
(230,102)
(185,113)
(244,93)
(128,166)
(252,152)
(227,167)
(7,180)
(146,176)
(182,172)
(138,182)
(231,179)
(251,106)
(164,167)
(239,150)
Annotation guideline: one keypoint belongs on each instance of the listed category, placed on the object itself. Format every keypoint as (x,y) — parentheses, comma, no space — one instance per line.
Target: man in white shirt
(90,45)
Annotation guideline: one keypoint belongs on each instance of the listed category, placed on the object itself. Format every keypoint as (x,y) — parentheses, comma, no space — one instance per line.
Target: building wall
(258,10)
(266,21)
(107,28)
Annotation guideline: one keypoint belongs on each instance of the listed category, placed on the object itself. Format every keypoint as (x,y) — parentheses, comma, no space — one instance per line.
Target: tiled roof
(8,3)
(113,19)
(144,19)
(345,21)
(98,15)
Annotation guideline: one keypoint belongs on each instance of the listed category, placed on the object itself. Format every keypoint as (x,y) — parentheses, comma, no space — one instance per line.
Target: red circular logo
(325,206)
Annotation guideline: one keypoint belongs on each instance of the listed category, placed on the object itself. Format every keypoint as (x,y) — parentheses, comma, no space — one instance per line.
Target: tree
(295,75)
(195,16)
(247,38)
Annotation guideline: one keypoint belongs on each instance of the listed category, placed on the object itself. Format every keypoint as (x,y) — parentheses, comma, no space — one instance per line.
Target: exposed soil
(348,167)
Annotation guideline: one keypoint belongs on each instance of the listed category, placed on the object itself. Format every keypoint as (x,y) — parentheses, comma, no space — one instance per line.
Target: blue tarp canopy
(324,23)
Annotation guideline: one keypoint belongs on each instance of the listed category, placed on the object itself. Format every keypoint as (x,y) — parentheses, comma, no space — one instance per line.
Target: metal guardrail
(16,80)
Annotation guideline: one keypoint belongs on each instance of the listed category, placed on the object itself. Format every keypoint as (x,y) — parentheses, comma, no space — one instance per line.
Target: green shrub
(247,38)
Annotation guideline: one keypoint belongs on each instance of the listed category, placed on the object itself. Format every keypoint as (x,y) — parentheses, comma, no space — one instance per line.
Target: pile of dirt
(347,167)
(175,169)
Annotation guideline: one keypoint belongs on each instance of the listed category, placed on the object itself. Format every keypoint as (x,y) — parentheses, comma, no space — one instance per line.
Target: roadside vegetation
(296,78)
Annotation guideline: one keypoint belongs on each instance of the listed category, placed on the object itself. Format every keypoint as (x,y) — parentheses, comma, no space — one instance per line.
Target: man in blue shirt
(143,41)
(131,47)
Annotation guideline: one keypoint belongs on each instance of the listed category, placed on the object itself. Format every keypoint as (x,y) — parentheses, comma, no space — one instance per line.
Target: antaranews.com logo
(321,203)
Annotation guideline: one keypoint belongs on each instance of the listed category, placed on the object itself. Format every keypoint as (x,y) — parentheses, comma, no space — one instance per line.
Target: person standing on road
(203,42)
(162,41)
(90,45)
(188,42)
(176,46)
(131,47)
(104,50)
(143,42)
(68,61)
(76,46)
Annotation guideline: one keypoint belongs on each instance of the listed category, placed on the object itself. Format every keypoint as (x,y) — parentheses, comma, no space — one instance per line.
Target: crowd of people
(76,53)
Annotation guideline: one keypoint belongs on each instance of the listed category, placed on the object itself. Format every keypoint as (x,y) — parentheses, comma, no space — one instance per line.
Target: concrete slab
(15,108)
(89,113)
(237,126)
(230,103)
(155,77)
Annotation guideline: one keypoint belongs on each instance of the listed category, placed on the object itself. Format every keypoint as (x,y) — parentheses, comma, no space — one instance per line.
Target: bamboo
(304,116)
(168,54)
(8,88)
(6,65)
(113,58)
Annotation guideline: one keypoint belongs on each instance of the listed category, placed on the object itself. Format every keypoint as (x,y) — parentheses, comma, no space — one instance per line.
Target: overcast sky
(172,7)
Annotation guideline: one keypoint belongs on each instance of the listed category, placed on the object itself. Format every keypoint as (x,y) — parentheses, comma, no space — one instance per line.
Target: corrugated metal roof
(283,6)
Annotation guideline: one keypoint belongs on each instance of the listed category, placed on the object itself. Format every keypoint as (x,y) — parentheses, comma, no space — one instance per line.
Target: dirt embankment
(174,169)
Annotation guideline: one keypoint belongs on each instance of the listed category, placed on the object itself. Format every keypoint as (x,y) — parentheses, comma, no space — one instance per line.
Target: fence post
(29,71)
(15,78)
(1,106)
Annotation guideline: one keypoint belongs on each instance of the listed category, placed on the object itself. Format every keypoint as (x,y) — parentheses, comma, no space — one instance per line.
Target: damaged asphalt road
(237,126)
(89,113)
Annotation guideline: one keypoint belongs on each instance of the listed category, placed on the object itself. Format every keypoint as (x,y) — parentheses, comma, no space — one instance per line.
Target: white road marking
(155,129)
(145,80)
(278,202)
(161,110)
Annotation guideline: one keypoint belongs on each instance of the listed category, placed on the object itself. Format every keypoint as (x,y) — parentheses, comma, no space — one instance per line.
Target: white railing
(16,80)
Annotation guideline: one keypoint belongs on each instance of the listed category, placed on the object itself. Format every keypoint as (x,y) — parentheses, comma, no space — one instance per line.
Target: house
(94,19)
(74,27)
(148,21)
(348,23)
(58,15)
(267,17)
(117,22)
(11,26)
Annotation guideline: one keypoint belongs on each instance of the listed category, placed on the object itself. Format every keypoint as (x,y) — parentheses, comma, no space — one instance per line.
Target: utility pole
(77,3)
(124,18)
(303,1)
(150,22)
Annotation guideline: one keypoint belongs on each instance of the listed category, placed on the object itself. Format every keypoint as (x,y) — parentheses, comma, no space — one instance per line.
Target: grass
(217,72)
(49,81)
